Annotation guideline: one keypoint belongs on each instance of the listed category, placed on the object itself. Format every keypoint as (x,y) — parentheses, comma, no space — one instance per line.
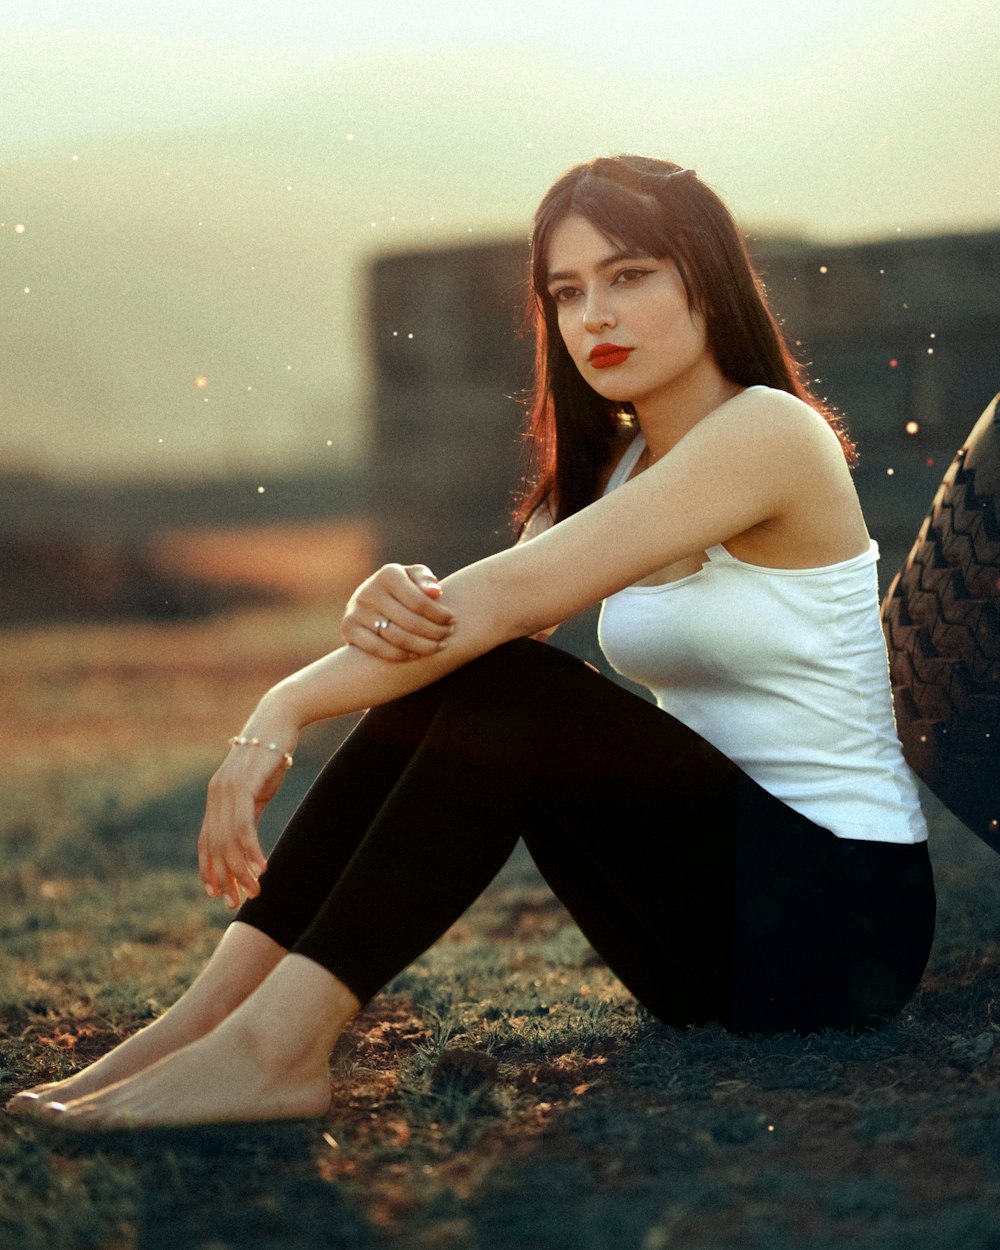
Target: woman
(751,851)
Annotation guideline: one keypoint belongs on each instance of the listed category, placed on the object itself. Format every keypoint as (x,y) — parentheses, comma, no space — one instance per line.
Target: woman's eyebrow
(561,275)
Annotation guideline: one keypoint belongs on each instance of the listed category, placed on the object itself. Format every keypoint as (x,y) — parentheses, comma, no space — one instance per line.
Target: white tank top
(785,671)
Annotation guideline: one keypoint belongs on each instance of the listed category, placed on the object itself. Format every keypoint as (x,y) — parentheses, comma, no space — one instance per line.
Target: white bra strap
(624,467)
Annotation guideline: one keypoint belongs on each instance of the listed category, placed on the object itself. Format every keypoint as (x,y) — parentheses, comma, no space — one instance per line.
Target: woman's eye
(563,294)
(630,275)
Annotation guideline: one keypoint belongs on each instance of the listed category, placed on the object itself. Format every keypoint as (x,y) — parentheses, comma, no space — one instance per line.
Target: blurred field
(135,707)
(308,563)
(505,1093)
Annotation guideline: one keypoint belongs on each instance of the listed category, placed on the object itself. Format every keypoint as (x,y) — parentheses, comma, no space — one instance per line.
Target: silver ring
(380,624)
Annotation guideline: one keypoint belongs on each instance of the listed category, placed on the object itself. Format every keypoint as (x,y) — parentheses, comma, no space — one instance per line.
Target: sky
(192,193)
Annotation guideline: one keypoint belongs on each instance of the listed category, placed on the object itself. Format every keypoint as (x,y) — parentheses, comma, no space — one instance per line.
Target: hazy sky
(201,185)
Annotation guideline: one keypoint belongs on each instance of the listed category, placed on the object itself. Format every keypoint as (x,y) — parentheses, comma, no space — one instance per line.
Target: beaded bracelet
(240,741)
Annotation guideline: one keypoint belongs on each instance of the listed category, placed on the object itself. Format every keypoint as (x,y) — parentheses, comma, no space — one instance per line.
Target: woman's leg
(483,765)
(336,814)
(268,1058)
(328,827)
(523,737)
(637,950)
(606,789)
(709,897)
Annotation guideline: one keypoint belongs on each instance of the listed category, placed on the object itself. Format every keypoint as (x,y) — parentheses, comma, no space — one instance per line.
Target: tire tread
(941,619)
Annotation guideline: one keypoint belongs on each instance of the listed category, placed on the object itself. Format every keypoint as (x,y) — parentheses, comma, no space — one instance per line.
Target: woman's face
(624,318)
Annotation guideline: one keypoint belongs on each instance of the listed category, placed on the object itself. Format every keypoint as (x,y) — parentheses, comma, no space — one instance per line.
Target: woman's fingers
(376,642)
(421,593)
(412,623)
(412,585)
(395,624)
(224,868)
(381,615)
(230,858)
(410,610)
(396,615)
(206,869)
(235,867)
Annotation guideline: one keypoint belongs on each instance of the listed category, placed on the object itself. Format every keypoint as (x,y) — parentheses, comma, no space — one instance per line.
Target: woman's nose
(597,313)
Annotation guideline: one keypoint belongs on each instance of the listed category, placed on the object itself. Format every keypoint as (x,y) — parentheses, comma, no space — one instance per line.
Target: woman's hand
(396,614)
(229,855)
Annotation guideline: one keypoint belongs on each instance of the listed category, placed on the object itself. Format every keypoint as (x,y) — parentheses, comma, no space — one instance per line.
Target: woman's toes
(26,1100)
(50,1110)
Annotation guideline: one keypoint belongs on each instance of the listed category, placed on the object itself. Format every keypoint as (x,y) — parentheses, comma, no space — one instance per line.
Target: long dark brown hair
(653,208)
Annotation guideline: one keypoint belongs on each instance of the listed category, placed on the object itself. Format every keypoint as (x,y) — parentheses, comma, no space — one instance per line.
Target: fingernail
(210,891)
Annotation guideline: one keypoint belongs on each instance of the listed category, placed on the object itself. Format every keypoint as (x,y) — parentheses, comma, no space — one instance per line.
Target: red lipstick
(606,354)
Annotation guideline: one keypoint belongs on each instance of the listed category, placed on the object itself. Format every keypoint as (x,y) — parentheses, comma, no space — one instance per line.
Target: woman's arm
(724,477)
(747,463)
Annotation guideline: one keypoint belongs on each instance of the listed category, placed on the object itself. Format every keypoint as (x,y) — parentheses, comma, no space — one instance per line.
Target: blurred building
(903,335)
(451,370)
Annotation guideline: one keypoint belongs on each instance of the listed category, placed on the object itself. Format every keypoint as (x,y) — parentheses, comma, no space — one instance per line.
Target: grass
(504,1092)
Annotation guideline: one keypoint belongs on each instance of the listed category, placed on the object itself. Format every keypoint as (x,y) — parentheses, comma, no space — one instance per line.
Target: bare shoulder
(777,424)
(786,411)
(781,411)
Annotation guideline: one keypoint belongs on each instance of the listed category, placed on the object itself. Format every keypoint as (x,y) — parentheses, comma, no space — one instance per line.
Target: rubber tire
(941,619)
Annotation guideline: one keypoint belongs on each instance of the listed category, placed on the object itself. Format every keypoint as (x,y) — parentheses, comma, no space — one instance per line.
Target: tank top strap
(719,555)
(630,458)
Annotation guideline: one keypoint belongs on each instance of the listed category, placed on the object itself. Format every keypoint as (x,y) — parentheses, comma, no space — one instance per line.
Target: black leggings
(707,896)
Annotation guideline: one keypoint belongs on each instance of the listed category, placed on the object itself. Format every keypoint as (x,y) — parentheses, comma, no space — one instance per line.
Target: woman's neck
(665,419)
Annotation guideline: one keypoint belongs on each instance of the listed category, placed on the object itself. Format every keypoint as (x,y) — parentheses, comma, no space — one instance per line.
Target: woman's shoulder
(783,420)
(772,397)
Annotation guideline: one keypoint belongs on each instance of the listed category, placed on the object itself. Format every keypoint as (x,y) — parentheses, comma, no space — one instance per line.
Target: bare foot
(242,960)
(137,1052)
(217,1079)
(267,1060)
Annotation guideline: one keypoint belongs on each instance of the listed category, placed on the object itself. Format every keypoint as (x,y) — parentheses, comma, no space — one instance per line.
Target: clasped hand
(396,614)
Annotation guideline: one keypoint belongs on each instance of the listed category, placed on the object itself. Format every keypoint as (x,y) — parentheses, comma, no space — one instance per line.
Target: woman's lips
(606,354)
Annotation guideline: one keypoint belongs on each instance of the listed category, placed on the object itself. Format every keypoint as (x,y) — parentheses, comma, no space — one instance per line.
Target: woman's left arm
(736,468)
